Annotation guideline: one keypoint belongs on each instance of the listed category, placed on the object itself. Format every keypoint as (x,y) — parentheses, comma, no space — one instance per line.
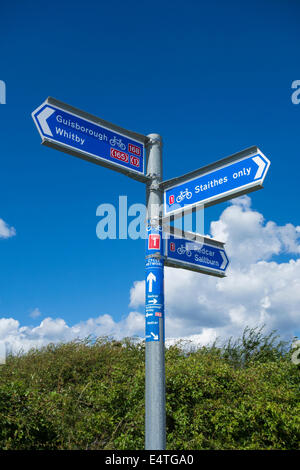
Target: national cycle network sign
(228,178)
(195,252)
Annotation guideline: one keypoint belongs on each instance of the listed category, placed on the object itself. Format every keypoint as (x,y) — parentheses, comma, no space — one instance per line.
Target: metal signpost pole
(155,414)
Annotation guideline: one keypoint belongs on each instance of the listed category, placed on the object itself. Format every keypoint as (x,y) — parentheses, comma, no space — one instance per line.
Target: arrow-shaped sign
(85,136)
(194,252)
(152,301)
(150,279)
(149,314)
(233,176)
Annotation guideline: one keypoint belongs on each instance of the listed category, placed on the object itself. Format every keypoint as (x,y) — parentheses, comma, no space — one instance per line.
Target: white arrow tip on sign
(42,119)
(151,277)
(225,260)
(261,166)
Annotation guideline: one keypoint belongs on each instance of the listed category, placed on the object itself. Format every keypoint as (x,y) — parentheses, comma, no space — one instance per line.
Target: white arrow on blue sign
(85,136)
(195,252)
(225,179)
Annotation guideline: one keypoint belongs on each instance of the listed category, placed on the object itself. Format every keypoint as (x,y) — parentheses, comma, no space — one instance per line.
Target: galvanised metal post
(155,411)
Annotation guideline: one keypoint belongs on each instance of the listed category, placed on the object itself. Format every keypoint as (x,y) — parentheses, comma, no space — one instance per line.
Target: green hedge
(90,395)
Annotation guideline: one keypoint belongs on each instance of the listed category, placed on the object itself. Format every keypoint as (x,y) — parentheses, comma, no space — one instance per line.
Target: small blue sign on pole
(196,253)
(233,176)
(85,136)
(154,302)
(154,307)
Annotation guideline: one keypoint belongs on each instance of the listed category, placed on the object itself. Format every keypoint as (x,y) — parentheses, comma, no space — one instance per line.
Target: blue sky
(212,78)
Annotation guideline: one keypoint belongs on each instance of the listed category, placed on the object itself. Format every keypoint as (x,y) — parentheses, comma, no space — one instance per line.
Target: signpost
(233,176)
(83,135)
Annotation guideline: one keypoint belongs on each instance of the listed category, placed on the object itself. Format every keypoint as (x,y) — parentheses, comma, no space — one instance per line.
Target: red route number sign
(154,242)
(134,149)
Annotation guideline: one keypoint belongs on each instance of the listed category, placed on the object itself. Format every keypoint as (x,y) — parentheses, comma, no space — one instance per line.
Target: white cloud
(137,294)
(35,313)
(5,230)
(258,289)
(17,337)
(249,239)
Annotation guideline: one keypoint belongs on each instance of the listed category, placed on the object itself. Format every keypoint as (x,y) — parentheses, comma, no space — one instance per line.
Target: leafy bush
(90,395)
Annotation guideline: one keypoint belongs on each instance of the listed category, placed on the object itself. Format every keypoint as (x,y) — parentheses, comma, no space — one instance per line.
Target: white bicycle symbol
(184,194)
(182,250)
(155,227)
(117,142)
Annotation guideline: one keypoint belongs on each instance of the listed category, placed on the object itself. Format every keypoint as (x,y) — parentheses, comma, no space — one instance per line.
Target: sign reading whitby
(225,179)
(91,138)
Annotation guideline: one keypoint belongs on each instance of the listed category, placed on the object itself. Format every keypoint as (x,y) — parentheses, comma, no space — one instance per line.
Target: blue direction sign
(231,177)
(83,135)
(195,253)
